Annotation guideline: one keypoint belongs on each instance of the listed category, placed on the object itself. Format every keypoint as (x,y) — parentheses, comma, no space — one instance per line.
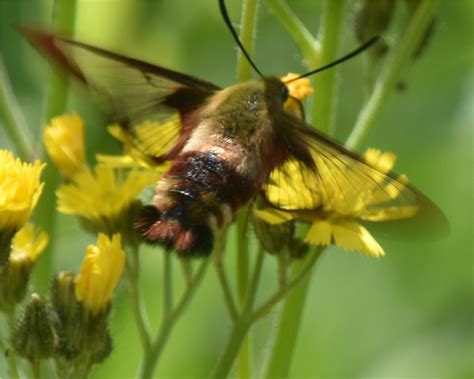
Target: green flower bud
(34,337)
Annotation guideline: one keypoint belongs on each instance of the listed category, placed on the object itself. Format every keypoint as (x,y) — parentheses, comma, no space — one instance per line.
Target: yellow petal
(20,188)
(100,273)
(320,233)
(28,242)
(273,216)
(352,236)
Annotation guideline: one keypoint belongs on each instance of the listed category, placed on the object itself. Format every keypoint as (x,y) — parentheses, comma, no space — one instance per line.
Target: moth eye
(284,92)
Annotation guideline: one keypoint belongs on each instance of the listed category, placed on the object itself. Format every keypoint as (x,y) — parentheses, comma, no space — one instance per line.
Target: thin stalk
(289,323)
(10,354)
(226,290)
(280,294)
(150,359)
(167,284)
(187,270)
(35,369)
(13,119)
(309,46)
(63,21)
(331,30)
(248,22)
(395,61)
(138,308)
(241,326)
(239,331)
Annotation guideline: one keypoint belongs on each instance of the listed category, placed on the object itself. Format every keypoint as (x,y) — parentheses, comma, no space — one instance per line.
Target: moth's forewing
(131,90)
(342,182)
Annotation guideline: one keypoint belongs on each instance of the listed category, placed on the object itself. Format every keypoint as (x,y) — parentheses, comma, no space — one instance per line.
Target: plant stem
(227,292)
(63,22)
(248,21)
(35,369)
(13,118)
(288,326)
(167,284)
(331,30)
(308,45)
(395,61)
(280,294)
(138,308)
(241,326)
(13,372)
(242,285)
(151,357)
(239,331)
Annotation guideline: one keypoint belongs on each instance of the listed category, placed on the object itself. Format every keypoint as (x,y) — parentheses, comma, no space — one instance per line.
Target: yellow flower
(26,246)
(64,140)
(104,196)
(20,188)
(28,243)
(100,273)
(336,220)
(299,90)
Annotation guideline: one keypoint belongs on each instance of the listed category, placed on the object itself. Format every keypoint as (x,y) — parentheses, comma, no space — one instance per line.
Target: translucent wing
(344,183)
(131,90)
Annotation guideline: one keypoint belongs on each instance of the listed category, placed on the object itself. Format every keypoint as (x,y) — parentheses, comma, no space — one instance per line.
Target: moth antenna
(352,54)
(225,15)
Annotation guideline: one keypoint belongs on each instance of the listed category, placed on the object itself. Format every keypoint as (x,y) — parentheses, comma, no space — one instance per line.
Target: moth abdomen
(197,196)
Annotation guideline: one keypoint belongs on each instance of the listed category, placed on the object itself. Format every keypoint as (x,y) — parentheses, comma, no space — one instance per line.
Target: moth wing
(340,181)
(131,90)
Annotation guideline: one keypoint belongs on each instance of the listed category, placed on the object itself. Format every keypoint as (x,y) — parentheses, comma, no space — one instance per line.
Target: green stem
(331,30)
(289,323)
(239,331)
(63,22)
(138,308)
(308,45)
(13,118)
(242,285)
(151,357)
(395,61)
(248,22)
(35,369)
(226,290)
(10,354)
(282,292)
(238,337)
(167,284)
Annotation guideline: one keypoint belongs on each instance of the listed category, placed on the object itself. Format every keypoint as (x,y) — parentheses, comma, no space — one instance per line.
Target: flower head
(64,140)
(20,189)
(100,272)
(336,219)
(26,246)
(28,243)
(104,197)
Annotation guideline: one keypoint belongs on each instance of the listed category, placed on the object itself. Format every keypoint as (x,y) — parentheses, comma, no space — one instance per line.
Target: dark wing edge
(130,89)
(337,169)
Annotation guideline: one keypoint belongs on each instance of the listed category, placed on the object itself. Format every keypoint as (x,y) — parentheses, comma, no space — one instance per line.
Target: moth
(226,146)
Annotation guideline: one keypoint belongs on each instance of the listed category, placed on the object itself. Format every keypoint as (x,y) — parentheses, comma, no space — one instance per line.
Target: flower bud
(25,248)
(34,336)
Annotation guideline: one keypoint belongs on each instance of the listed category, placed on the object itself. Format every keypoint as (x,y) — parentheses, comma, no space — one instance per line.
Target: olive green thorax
(246,108)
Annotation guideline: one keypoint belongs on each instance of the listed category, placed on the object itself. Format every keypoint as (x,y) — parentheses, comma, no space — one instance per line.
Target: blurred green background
(407,315)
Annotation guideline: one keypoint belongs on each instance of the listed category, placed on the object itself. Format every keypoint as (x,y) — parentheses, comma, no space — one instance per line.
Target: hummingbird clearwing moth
(228,145)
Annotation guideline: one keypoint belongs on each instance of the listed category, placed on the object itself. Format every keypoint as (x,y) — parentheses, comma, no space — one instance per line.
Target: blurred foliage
(406,315)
